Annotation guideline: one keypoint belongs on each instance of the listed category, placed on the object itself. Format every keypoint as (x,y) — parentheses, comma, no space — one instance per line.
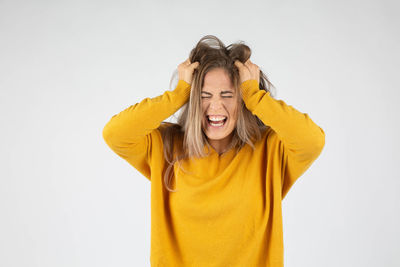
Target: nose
(216,104)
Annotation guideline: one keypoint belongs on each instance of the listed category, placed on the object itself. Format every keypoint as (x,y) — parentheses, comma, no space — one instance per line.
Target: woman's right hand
(185,70)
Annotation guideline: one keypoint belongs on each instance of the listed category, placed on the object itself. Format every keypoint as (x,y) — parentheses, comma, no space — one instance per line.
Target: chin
(216,138)
(211,135)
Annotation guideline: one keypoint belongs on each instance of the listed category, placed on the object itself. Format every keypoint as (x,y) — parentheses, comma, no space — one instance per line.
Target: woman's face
(219,105)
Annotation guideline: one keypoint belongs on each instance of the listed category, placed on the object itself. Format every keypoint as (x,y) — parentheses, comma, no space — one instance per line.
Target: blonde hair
(186,139)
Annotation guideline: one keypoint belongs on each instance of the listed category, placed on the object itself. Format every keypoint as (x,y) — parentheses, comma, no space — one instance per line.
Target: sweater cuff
(182,90)
(249,88)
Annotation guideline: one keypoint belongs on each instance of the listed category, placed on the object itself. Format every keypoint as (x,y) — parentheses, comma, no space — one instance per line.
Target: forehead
(217,79)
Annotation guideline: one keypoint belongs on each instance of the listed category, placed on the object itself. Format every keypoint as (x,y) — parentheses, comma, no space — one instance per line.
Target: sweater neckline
(213,152)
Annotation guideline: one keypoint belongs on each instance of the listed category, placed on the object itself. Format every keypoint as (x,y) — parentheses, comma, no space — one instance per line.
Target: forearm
(296,130)
(138,120)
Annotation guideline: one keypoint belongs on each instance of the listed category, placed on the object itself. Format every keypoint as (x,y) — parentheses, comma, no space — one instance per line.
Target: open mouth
(216,122)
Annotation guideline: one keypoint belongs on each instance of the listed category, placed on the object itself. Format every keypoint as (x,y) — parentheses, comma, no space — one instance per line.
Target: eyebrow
(223,92)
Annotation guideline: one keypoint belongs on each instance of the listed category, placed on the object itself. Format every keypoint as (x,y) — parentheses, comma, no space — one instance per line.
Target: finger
(194,65)
(238,63)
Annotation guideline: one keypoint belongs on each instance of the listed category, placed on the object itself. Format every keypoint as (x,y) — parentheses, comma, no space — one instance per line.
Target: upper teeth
(216,118)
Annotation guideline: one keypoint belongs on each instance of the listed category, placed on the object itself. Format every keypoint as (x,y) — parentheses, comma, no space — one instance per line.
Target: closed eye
(222,96)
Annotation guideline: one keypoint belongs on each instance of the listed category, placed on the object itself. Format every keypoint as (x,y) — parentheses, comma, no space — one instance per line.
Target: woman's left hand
(248,71)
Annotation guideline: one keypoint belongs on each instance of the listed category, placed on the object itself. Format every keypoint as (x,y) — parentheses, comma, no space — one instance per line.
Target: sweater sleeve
(302,140)
(130,133)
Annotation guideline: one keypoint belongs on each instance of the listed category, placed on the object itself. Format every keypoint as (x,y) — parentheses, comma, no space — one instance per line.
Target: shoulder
(268,135)
(168,127)
(164,125)
(170,133)
(158,134)
(266,141)
(270,139)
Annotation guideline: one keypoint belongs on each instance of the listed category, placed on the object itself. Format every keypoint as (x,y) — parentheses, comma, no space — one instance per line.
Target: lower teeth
(217,124)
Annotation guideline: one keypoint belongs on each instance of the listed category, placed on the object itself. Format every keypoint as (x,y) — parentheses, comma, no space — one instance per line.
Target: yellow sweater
(228,211)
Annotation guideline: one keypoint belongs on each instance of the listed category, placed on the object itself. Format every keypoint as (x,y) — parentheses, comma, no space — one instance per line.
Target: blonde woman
(219,175)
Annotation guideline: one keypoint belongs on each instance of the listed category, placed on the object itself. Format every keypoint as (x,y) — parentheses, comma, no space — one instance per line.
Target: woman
(232,157)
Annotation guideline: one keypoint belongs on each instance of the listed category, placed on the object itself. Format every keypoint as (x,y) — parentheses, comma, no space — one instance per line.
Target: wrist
(249,87)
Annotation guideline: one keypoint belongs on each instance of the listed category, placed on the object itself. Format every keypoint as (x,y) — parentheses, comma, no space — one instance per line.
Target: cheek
(233,108)
(203,106)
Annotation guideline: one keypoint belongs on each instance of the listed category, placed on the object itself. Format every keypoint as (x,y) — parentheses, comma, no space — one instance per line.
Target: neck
(222,145)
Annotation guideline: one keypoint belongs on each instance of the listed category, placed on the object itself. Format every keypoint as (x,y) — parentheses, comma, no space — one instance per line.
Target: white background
(67,66)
